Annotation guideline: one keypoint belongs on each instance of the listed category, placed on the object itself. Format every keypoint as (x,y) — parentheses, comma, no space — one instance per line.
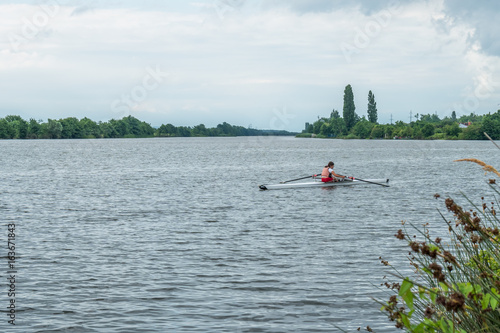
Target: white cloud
(241,65)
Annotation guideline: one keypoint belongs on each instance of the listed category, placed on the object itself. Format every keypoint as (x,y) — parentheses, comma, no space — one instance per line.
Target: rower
(327,175)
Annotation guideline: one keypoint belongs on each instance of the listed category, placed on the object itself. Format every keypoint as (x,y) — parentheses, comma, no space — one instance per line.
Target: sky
(266,64)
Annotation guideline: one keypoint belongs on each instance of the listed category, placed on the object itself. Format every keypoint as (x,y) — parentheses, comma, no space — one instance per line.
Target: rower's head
(330,164)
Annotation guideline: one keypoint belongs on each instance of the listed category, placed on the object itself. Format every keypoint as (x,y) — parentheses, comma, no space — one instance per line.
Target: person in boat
(328,175)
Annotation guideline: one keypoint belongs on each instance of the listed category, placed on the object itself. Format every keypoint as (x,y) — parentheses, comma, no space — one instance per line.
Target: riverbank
(15,127)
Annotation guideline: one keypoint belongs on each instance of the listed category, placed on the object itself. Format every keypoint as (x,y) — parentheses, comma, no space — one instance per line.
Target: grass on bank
(456,282)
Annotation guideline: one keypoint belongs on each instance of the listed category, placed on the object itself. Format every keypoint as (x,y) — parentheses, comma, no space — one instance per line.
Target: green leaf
(494,303)
(408,298)
(430,323)
(486,301)
(477,289)
(444,326)
(406,321)
(405,287)
(494,299)
(406,293)
(421,292)
(433,297)
(419,328)
(443,286)
(425,269)
(465,288)
(433,247)
(450,326)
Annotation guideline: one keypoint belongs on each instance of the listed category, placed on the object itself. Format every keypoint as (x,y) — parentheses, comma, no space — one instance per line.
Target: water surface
(173,234)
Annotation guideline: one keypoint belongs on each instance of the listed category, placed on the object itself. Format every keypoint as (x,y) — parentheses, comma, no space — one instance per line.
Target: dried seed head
(400,235)
(429,312)
(441,300)
(456,302)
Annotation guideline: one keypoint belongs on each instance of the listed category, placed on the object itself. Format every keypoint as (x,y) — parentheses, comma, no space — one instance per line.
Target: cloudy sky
(261,63)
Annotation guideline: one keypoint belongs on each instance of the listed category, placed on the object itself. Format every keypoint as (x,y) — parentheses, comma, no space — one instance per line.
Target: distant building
(464,125)
(307,127)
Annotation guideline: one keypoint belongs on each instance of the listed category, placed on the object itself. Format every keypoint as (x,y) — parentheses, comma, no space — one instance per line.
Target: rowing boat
(319,183)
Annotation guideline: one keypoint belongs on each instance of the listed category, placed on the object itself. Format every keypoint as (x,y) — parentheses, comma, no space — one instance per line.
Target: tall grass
(456,285)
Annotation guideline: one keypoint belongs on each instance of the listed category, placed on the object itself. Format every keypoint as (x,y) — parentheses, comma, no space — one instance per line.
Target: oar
(292,180)
(367,181)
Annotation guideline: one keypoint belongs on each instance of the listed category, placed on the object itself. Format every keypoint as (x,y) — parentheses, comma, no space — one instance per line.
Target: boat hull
(319,183)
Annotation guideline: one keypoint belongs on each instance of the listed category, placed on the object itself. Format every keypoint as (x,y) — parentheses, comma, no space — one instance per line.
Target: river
(173,234)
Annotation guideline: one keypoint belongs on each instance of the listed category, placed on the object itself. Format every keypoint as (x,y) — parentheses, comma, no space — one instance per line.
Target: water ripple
(117,236)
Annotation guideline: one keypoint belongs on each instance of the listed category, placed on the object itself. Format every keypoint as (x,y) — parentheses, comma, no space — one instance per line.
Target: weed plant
(456,285)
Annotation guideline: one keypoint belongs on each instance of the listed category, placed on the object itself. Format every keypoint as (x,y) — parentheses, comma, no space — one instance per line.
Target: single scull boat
(316,182)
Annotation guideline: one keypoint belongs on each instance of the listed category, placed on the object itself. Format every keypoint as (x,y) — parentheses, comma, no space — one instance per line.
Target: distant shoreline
(15,127)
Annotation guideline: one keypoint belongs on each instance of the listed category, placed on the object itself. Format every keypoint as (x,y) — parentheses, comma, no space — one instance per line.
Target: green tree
(334,115)
(317,125)
(53,129)
(363,128)
(200,130)
(71,128)
(378,132)
(133,125)
(89,128)
(430,118)
(470,118)
(33,129)
(472,132)
(186,131)
(405,132)
(162,130)
(23,129)
(167,130)
(338,127)
(349,110)
(120,126)
(491,125)
(453,116)
(146,130)
(388,131)
(6,131)
(452,130)
(108,129)
(428,130)
(372,108)
(326,129)
(18,127)
(224,129)
(12,118)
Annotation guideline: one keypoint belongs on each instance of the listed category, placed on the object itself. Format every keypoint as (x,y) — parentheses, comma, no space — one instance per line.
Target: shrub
(351,136)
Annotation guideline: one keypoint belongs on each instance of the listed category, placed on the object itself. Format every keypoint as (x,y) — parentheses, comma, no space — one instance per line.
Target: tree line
(15,127)
(425,126)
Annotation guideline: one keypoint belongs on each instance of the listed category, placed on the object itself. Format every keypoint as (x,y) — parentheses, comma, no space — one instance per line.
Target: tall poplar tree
(350,116)
(454,116)
(372,108)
